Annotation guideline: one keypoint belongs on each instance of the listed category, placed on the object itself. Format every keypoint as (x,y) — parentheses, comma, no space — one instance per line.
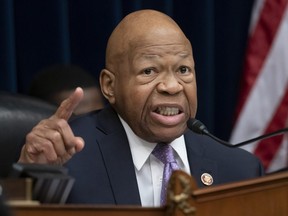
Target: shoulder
(104,121)
(206,145)
(228,159)
(106,115)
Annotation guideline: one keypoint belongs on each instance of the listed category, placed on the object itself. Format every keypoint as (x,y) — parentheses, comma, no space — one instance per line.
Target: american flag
(263,101)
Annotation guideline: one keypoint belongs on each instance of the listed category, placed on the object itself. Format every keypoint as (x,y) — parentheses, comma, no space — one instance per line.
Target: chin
(161,134)
(168,137)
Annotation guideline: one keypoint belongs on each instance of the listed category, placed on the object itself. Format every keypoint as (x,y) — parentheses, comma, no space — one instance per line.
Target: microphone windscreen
(196,126)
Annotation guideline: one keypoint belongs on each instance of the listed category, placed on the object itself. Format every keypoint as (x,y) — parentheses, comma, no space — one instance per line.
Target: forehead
(154,52)
(159,40)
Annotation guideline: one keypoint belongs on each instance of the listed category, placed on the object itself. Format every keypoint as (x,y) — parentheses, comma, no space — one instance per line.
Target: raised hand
(52,140)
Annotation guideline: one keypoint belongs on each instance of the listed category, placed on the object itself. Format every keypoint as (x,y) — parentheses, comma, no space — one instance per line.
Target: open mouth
(168,111)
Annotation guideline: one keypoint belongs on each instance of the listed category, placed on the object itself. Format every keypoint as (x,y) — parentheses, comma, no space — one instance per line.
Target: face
(154,87)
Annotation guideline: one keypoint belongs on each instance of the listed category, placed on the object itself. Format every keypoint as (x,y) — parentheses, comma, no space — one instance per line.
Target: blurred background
(35,34)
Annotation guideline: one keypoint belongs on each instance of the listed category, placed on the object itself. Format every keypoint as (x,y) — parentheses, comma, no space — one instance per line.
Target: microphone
(199,128)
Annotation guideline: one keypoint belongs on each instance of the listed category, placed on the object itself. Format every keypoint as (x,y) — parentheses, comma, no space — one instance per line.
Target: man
(149,81)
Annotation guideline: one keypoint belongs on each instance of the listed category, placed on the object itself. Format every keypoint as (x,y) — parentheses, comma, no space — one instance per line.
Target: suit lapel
(120,167)
(198,163)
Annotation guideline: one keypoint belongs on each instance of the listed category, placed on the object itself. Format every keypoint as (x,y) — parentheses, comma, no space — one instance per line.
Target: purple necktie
(164,153)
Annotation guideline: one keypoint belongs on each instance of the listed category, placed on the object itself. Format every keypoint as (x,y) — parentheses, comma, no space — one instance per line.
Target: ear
(107,82)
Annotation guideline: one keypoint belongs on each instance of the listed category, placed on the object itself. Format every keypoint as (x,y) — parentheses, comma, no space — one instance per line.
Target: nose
(169,84)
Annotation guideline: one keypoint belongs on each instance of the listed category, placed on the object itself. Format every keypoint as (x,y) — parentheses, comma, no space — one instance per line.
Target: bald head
(140,28)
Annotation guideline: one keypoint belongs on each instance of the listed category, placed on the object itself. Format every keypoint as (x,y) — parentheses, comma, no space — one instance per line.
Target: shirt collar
(141,149)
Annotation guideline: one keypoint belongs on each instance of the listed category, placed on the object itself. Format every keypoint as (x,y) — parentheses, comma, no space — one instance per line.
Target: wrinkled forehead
(158,36)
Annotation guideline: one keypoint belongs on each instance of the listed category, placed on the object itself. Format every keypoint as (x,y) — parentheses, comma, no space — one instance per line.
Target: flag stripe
(259,45)
(278,163)
(266,149)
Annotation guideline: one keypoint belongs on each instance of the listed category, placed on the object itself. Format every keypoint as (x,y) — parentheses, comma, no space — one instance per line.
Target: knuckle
(51,158)
(55,136)
(61,123)
(45,144)
(30,149)
(71,151)
(30,137)
(42,123)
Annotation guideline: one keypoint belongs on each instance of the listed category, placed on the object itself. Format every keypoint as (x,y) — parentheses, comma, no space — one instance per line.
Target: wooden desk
(264,196)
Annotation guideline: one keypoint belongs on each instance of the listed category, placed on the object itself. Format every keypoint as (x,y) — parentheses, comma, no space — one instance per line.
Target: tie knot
(164,153)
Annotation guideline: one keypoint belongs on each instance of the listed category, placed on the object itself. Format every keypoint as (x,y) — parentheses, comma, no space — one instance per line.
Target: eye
(184,70)
(148,71)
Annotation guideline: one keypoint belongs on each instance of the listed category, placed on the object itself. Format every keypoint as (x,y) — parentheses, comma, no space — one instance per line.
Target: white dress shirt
(149,169)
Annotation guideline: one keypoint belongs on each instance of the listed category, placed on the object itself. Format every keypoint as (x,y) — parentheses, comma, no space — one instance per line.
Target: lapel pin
(207,179)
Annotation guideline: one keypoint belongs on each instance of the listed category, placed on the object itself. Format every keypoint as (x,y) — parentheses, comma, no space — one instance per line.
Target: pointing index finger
(67,106)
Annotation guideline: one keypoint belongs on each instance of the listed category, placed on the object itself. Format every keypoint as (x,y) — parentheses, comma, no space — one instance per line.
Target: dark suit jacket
(104,171)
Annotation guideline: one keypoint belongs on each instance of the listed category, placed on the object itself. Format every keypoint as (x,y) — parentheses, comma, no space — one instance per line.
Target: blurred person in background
(55,83)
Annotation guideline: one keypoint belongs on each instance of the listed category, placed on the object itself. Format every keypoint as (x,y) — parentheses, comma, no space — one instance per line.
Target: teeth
(167,111)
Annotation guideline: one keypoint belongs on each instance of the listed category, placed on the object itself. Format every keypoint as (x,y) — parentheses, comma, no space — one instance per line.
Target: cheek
(192,101)
(139,101)
(133,110)
(137,98)
(131,99)
(193,109)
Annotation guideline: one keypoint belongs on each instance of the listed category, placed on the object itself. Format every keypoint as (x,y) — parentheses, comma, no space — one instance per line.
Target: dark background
(37,33)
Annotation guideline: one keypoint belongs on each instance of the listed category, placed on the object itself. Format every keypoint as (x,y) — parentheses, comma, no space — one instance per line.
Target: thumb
(68,106)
